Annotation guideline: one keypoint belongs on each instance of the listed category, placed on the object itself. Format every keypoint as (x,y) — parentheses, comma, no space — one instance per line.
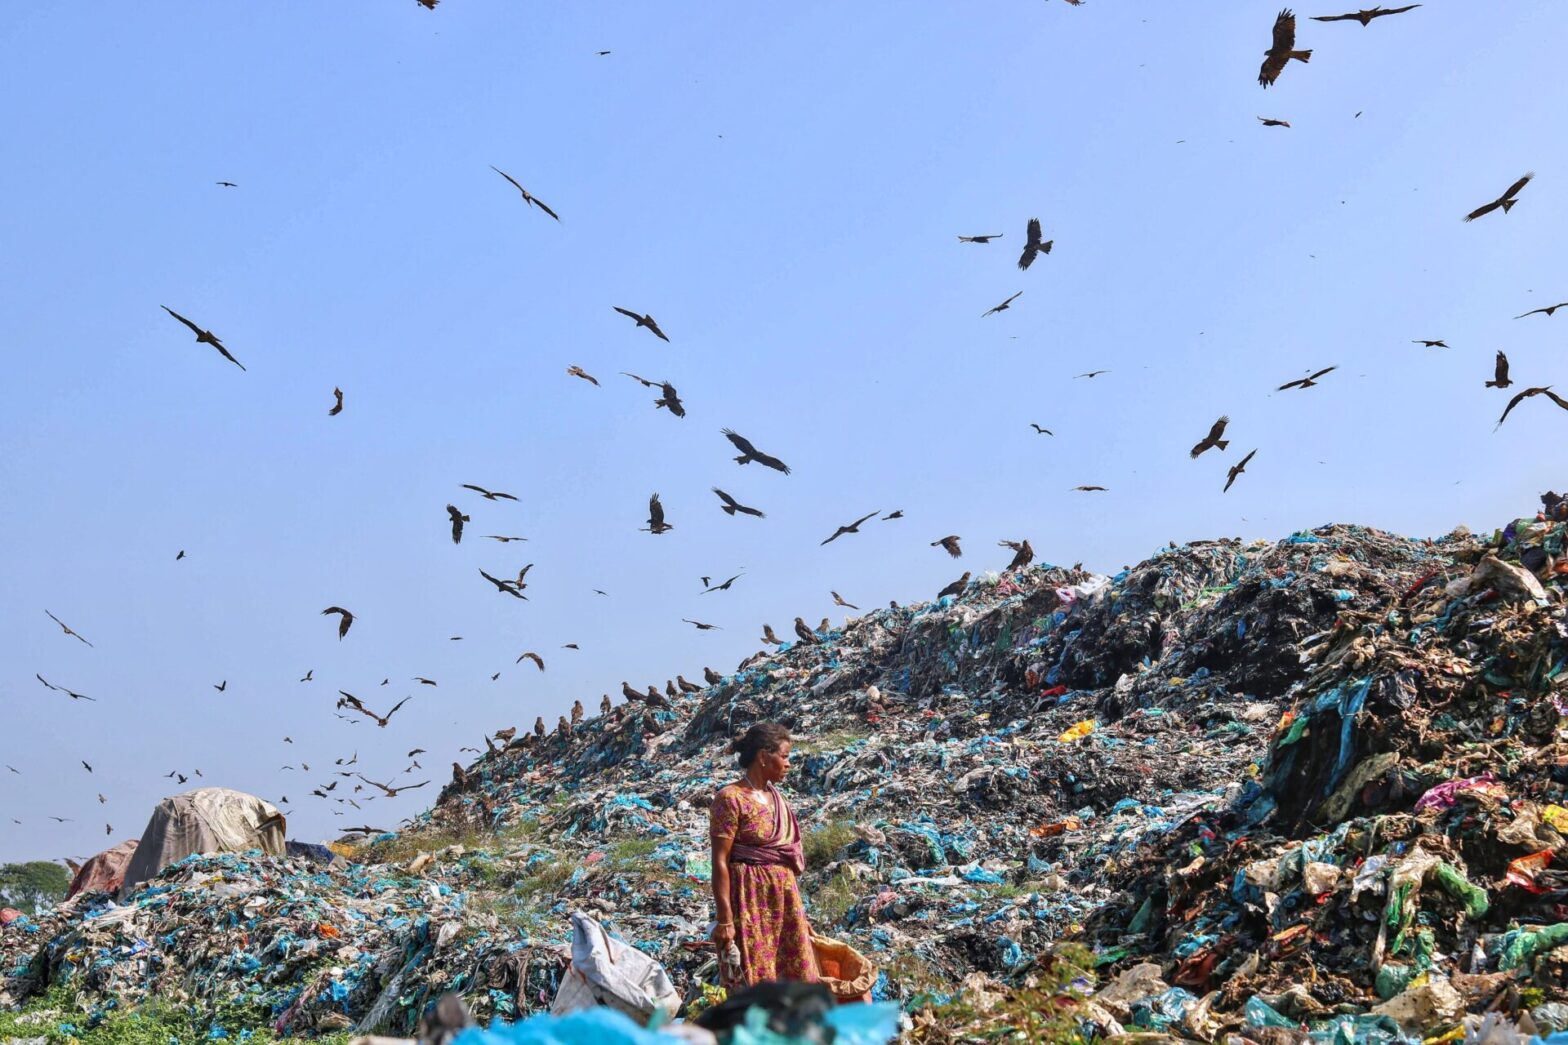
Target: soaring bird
(345,619)
(66,628)
(1023,553)
(61,689)
(769,637)
(711,677)
(86,766)
(731,505)
(337,407)
(803,631)
(1305,382)
(1365,17)
(956,588)
(980,239)
(1213,440)
(838,600)
(577,371)
(1548,310)
(1089,489)
(1283,49)
(853,527)
(204,337)
(1033,247)
(1003,307)
(538,660)
(1505,201)
(949,544)
(309,675)
(656,524)
(528,197)
(503,539)
(699,625)
(644,320)
(489,495)
(725,586)
(458,519)
(1499,373)
(1090,374)
(508,587)
(1438,344)
(642,380)
(897,514)
(391,792)
(423,682)
(350,701)
(1526,394)
(1268,121)
(227,184)
(220,687)
(671,399)
(1236,469)
(749,453)
(1040,431)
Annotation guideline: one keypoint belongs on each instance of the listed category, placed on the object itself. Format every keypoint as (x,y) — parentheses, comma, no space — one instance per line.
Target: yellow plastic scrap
(1077,731)
(1557,817)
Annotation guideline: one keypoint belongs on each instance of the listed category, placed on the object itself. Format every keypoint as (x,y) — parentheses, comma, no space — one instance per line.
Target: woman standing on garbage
(757,854)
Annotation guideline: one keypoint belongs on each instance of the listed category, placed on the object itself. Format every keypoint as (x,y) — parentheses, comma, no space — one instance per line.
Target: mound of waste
(1311,786)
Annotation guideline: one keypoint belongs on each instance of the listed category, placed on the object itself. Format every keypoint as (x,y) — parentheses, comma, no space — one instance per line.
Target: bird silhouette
(749,453)
(646,321)
(853,527)
(980,239)
(345,619)
(67,629)
(337,407)
(1003,307)
(1527,394)
(731,506)
(1023,553)
(1271,122)
(1282,50)
(1438,344)
(61,689)
(1213,440)
(458,519)
(528,197)
(577,371)
(530,655)
(1548,310)
(1033,247)
(204,337)
(1040,431)
(1506,201)
(489,495)
(956,588)
(1236,469)
(700,626)
(1500,377)
(1306,382)
(656,524)
(1365,17)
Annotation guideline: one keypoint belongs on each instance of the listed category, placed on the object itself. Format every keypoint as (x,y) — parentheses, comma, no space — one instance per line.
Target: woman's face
(774,764)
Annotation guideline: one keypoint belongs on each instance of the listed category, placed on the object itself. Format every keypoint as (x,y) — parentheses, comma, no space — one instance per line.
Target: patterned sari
(770,920)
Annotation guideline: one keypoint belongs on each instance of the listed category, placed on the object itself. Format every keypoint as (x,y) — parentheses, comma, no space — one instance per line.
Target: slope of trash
(1270,785)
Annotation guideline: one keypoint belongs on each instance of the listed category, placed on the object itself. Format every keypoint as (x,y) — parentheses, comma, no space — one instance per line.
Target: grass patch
(1042,1014)
(835,741)
(630,852)
(546,880)
(832,899)
(59,1021)
(407,846)
(824,843)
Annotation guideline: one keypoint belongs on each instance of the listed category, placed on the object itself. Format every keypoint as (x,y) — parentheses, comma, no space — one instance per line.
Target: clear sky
(781,187)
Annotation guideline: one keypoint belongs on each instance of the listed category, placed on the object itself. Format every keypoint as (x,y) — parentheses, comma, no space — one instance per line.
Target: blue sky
(781,188)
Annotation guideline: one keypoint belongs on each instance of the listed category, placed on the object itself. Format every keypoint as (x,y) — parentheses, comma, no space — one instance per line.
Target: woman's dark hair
(764,736)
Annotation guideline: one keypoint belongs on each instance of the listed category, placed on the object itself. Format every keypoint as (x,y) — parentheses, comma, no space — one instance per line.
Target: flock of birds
(1282,51)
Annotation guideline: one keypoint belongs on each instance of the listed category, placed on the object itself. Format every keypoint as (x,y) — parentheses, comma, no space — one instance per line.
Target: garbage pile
(1269,784)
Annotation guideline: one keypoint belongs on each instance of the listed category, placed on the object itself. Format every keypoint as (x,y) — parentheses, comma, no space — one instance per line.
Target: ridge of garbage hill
(1221,761)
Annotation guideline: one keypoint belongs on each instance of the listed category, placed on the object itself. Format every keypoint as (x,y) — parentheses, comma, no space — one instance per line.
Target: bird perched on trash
(825,627)
(669,689)
(711,677)
(345,619)
(204,337)
(67,629)
(646,321)
(1306,382)
(1528,393)
(459,778)
(980,239)
(629,693)
(949,544)
(670,399)
(563,728)
(1236,469)
(337,407)
(577,712)
(1269,121)
(1499,373)
(1282,50)
(769,637)
(956,588)
(605,706)
(731,505)
(539,730)
(1213,440)
(1003,307)
(351,701)
(838,600)
(656,524)
(853,527)
(528,197)
(576,371)
(458,519)
(1435,344)
(530,655)
(1023,553)
(655,698)
(1033,247)
(1505,201)
(489,495)
(804,632)
(1547,311)
(749,453)
(1365,17)
(505,735)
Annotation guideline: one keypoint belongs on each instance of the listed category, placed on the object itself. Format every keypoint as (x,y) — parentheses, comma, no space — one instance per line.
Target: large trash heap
(1314,784)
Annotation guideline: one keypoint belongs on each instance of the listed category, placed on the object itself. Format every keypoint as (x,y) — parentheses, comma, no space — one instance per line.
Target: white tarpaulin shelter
(207,820)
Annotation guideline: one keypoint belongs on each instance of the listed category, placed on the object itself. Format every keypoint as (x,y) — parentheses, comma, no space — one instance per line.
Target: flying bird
(66,628)
(769,637)
(220,687)
(538,660)
(528,197)
(1505,201)
(346,619)
(671,399)
(853,527)
(1003,307)
(1213,440)
(1305,382)
(489,495)
(226,184)
(180,556)
(950,545)
(656,524)
(62,820)
(577,371)
(731,505)
(701,626)
(309,674)
(749,453)
(1023,553)
(1548,310)
(391,792)
(642,380)
(351,701)
(509,587)
(1271,122)
(204,337)
(1499,373)
(956,588)
(1528,393)
(980,239)
(1089,489)
(86,766)
(62,689)
(725,586)
(1040,431)
(1236,469)
(1283,49)
(644,320)
(838,600)
(458,519)
(899,514)
(1365,17)
(1438,344)
(1091,374)
(1033,247)
(337,407)
(503,540)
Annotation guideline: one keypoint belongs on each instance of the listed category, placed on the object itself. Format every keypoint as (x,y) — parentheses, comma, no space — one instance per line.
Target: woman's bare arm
(725,931)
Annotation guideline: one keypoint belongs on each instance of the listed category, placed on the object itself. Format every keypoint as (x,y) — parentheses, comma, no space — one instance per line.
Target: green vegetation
(1043,1014)
(823,844)
(60,1022)
(409,845)
(835,741)
(831,900)
(35,884)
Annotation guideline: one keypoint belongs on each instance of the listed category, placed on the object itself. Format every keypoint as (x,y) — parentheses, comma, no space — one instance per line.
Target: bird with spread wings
(645,320)
(749,453)
(204,337)
(656,524)
(348,700)
(1213,440)
(1528,393)
(528,197)
(853,527)
(1282,50)
(1366,16)
(1033,246)
(1506,201)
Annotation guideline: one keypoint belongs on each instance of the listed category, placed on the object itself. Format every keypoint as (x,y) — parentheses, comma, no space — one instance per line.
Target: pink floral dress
(770,920)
